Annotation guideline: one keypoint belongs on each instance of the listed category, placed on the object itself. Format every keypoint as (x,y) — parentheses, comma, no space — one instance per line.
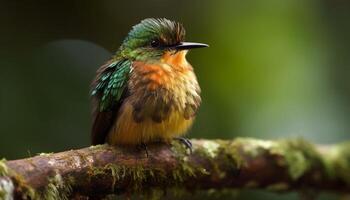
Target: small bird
(148,91)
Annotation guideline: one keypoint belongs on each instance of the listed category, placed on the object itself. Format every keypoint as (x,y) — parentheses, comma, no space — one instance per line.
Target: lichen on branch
(101,171)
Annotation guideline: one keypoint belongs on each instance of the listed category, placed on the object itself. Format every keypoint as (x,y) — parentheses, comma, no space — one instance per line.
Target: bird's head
(152,38)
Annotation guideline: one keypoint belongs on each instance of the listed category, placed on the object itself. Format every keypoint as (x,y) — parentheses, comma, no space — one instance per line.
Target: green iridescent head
(151,38)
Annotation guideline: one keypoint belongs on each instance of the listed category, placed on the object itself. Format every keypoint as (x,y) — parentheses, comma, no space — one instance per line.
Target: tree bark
(97,171)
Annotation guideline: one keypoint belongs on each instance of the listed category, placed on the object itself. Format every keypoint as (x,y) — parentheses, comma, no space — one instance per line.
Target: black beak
(189,45)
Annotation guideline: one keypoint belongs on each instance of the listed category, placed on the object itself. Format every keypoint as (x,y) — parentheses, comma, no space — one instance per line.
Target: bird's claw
(143,146)
(186,142)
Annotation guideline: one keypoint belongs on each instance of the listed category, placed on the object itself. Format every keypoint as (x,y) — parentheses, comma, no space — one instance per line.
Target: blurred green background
(274,69)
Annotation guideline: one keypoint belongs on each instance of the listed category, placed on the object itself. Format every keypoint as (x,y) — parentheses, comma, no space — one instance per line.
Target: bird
(147,91)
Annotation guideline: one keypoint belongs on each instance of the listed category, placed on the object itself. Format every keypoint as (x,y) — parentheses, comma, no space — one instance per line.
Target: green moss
(217,151)
(141,176)
(138,175)
(337,162)
(222,155)
(231,155)
(117,172)
(99,146)
(27,192)
(56,189)
(186,169)
(183,172)
(45,154)
(3,168)
(253,147)
(179,149)
(209,148)
(297,155)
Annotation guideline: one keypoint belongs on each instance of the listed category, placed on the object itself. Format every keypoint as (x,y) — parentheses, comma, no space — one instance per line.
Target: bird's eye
(155,43)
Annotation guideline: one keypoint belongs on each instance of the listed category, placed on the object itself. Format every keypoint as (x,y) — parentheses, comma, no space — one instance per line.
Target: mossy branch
(101,170)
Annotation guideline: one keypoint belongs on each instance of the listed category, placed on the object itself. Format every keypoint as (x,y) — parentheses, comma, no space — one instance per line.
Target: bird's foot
(143,146)
(186,142)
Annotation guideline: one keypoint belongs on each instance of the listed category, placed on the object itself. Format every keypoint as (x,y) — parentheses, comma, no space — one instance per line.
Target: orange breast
(152,75)
(177,60)
(168,81)
(171,67)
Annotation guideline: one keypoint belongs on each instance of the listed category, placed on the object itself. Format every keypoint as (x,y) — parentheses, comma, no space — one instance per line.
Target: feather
(107,93)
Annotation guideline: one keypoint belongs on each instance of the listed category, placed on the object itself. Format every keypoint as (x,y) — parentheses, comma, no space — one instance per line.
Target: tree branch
(214,164)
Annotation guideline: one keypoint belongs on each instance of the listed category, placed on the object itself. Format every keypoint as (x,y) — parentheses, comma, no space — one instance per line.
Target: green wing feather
(112,83)
(107,93)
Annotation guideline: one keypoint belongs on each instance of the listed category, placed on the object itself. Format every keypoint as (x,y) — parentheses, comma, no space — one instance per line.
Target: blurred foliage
(274,69)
